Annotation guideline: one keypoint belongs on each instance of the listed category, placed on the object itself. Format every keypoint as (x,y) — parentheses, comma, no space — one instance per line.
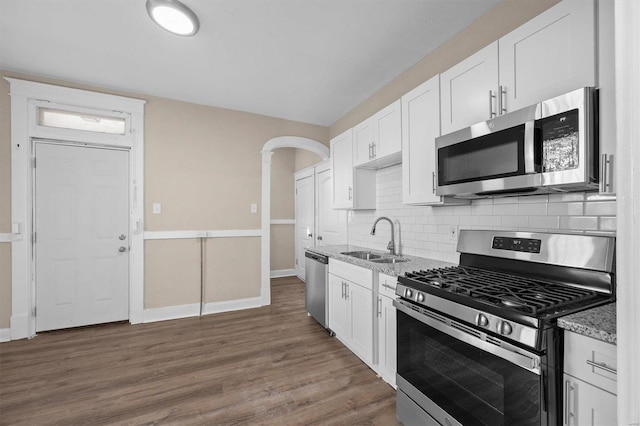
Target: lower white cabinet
(351,308)
(386,324)
(589,381)
(586,404)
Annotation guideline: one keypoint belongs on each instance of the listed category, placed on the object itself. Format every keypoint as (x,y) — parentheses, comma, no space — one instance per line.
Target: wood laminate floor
(271,365)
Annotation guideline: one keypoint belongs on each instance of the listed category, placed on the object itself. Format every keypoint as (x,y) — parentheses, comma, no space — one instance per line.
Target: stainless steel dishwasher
(316,291)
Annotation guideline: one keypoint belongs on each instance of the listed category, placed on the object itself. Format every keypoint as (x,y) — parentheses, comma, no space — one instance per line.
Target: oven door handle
(526,360)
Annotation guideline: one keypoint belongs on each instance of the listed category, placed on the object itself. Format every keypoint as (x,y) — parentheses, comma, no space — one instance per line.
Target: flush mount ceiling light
(173,16)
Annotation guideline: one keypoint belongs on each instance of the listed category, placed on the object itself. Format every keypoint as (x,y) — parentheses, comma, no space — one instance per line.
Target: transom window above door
(64,119)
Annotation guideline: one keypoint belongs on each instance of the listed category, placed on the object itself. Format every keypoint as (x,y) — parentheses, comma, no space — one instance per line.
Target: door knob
(122,249)
(122,237)
(320,237)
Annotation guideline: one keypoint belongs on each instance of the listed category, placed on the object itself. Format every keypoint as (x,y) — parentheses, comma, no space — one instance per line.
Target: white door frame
(301,174)
(267,151)
(26,96)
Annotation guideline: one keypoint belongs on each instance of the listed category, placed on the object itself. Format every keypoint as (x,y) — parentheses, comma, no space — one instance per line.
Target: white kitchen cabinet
(468,90)
(590,382)
(352,189)
(607,95)
(386,329)
(377,140)
(420,127)
(586,404)
(552,54)
(351,307)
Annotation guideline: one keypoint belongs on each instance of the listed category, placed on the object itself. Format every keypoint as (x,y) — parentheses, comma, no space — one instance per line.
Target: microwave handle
(529,147)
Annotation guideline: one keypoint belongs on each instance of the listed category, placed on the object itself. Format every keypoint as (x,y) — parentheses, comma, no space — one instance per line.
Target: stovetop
(528,296)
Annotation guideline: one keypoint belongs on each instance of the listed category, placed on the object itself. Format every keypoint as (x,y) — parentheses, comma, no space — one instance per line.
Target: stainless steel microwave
(551,146)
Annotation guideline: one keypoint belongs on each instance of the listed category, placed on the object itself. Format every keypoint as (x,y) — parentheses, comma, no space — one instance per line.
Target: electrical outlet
(157,208)
(453,233)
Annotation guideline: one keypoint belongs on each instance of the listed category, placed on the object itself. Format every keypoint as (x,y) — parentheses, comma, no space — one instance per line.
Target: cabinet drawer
(591,360)
(353,273)
(387,285)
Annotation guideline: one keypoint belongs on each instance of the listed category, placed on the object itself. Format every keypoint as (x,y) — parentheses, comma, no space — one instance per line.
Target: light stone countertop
(393,269)
(598,323)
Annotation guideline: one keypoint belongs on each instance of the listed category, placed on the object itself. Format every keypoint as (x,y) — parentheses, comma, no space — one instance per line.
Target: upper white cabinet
(352,189)
(553,53)
(469,90)
(607,95)
(420,127)
(377,140)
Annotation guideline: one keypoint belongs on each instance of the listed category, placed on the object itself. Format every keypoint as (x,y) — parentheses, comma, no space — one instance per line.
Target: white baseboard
(19,327)
(171,312)
(5,334)
(193,310)
(283,273)
(232,305)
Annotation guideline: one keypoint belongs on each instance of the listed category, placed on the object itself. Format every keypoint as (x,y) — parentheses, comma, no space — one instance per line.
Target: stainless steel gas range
(479,343)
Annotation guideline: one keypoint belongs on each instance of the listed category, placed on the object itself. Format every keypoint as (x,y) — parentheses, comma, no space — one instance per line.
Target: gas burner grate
(526,295)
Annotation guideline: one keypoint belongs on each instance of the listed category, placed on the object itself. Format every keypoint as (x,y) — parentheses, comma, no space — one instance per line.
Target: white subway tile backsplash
(505,209)
(424,230)
(566,209)
(566,197)
(603,208)
(579,222)
(533,209)
(544,222)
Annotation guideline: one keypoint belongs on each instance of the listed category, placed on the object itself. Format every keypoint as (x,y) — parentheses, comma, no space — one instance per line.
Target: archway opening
(267,151)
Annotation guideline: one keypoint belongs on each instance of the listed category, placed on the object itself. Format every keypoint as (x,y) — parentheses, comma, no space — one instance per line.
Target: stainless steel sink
(390,260)
(365,255)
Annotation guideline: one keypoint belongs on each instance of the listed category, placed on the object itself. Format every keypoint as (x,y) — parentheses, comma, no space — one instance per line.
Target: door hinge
(35,310)
(34,162)
(296,261)
(33,238)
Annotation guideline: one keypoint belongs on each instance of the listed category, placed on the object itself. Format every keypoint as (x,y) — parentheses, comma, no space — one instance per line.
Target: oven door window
(471,385)
(496,155)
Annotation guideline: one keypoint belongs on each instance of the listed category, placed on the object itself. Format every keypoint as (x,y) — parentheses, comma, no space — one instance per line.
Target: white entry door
(331,226)
(304,221)
(82,238)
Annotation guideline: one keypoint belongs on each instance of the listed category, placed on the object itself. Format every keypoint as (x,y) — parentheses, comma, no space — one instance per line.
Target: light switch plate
(254,208)
(157,208)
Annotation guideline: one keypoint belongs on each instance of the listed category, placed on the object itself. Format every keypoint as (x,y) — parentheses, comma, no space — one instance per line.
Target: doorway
(81,240)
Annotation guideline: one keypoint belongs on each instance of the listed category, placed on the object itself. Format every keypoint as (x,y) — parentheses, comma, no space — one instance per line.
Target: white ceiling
(305,60)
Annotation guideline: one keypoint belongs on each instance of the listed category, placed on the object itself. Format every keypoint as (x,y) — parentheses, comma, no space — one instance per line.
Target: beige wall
(203,164)
(305,159)
(232,277)
(499,21)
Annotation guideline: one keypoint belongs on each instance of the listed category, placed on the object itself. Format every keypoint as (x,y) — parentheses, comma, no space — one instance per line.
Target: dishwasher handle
(317,257)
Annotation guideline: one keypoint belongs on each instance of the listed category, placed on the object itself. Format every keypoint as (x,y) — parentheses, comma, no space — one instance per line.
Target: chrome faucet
(392,244)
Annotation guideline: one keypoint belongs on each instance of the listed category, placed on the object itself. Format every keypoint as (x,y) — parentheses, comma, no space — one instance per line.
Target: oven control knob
(408,293)
(420,297)
(504,328)
(482,320)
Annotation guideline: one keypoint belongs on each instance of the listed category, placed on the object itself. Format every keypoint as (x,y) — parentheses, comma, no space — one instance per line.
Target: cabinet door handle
(433,182)
(503,100)
(370,151)
(342,296)
(606,163)
(384,284)
(350,193)
(568,388)
(603,366)
(379,313)
(373,151)
(346,291)
(492,99)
